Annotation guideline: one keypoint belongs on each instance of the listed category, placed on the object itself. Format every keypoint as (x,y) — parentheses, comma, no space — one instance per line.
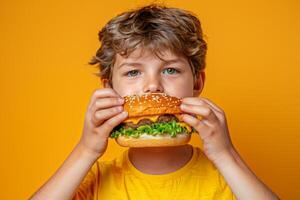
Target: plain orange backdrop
(252,72)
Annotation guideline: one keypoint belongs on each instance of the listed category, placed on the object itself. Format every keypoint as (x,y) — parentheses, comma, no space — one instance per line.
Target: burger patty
(162,118)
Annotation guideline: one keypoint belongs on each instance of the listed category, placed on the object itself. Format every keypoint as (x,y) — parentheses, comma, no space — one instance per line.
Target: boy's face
(143,72)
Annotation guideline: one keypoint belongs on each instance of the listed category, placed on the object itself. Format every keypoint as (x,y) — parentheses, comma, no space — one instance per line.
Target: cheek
(124,88)
(179,88)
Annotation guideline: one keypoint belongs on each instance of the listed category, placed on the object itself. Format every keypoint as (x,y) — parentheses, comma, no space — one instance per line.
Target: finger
(101,93)
(212,104)
(203,110)
(106,103)
(201,126)
(192,100)
(100,116)
(218,111)
(200,101)
(110,124)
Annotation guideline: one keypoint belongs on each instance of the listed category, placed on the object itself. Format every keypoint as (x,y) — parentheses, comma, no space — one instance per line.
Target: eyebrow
(137,64)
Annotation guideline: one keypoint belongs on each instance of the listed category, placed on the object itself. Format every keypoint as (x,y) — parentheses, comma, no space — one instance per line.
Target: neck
(160,160)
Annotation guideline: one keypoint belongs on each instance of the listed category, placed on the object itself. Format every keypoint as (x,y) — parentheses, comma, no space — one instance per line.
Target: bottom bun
(154,141)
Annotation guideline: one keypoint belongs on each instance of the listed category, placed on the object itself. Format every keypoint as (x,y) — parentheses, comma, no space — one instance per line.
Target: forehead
(146,55)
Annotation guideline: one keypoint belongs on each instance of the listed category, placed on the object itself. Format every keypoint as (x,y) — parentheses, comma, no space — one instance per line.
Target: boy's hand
(104,112)
(212,127)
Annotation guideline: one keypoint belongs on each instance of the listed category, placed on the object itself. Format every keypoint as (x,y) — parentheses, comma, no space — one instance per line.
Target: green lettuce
(172,128)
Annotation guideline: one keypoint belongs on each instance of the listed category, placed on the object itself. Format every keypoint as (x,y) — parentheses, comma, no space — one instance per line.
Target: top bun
(151,104)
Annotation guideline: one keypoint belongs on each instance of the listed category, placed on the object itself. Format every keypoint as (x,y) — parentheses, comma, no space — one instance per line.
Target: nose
(153,85)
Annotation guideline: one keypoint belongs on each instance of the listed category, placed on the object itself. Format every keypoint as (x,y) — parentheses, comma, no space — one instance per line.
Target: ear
(199,84)
(106,83)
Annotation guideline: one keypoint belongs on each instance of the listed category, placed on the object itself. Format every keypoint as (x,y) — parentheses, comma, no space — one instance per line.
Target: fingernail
(121,100)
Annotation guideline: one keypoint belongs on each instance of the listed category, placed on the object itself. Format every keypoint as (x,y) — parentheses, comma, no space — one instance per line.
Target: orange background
(253,66)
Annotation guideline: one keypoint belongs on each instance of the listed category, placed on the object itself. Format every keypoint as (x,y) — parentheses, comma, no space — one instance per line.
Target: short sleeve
(88,188)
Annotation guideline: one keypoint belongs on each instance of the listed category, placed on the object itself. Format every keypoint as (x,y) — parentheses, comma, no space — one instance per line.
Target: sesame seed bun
(151,104)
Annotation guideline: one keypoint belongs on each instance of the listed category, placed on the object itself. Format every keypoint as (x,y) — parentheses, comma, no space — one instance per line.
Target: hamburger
(154,119)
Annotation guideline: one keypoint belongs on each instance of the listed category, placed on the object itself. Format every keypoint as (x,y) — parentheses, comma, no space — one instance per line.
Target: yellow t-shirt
(119,180)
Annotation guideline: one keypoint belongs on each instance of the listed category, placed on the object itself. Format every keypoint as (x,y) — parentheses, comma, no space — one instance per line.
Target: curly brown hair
(156,28)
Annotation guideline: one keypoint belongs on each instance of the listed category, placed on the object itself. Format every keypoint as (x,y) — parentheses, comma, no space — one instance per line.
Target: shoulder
(205,170)
(117,165)
(204,167)
(202,163)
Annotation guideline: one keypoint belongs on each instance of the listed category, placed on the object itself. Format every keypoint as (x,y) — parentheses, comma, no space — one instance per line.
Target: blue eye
(132,73)
(170,71)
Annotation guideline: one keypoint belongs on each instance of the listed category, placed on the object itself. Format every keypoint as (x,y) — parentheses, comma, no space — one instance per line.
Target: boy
(154,49)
